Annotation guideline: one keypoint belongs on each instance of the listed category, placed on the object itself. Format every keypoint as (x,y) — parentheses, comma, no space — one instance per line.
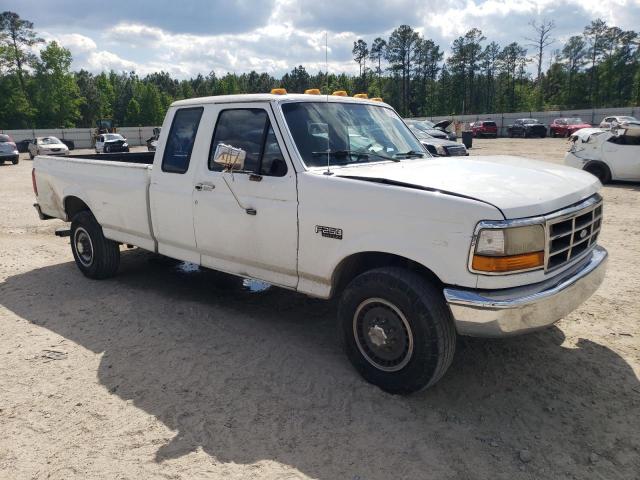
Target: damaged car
(607,154)
(439,147)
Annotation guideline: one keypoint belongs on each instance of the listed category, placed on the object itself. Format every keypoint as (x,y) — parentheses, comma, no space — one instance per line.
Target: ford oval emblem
(583,233)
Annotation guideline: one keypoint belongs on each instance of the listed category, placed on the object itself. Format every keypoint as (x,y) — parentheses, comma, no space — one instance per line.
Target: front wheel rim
(383,334)
(83,246)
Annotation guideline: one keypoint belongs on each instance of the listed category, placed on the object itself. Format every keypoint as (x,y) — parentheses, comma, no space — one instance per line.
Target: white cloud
(292,32)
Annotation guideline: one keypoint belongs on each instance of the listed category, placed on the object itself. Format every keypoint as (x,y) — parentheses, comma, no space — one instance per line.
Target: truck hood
(517,186)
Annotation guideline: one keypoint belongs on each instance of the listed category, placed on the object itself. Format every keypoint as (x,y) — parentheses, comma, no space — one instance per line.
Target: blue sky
(197,36)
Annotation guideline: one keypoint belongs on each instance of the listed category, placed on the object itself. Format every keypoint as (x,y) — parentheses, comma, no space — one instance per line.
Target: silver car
(439,147)
(47,146)
(8,150)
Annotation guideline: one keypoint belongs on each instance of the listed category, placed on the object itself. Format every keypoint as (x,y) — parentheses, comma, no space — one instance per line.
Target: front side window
(249,129)
(177,152)
(349,133)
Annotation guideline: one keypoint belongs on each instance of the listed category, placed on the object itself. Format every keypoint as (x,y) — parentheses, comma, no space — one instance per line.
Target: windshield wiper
(356,153)
(409,154)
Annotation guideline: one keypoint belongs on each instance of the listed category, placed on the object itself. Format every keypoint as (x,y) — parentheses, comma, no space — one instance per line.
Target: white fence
(503,120)
(81,136)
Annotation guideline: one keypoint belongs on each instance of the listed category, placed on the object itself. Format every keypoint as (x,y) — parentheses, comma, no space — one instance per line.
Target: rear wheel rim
(383,334)
(83,246)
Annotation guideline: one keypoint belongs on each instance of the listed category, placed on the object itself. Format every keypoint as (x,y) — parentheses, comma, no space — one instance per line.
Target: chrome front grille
(571,235)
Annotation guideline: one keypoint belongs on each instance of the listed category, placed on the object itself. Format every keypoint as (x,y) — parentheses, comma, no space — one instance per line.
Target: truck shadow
(258,376)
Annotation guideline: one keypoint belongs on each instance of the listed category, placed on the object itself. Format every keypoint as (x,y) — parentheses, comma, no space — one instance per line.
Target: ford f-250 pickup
(335,197)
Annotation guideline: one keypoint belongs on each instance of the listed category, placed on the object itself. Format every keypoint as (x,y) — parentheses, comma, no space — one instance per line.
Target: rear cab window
(177,152)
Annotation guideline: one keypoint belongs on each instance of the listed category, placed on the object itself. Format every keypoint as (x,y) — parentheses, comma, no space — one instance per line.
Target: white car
(620,120)
(47,146)
(111,143)
(607,154)
(334,197)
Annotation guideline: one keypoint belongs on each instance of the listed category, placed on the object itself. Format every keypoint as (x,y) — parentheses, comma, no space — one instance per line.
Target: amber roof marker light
(340,93)
(278,91)
(312,91)
(362,96)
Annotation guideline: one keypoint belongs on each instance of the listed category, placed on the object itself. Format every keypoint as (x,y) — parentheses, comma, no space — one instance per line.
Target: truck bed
(115,187)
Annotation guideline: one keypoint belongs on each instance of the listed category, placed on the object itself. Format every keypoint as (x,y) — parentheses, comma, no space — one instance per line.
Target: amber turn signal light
(510,263)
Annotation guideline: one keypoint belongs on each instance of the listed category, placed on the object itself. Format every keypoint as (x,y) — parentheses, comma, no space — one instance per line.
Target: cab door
(246,220)
(623,157)
(183,145)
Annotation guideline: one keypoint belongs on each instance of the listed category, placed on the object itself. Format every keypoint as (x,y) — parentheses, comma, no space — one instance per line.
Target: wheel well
(73,205)
(594,165)
(358,263)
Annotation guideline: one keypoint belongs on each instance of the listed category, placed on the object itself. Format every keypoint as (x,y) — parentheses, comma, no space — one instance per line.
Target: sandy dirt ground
(164,372)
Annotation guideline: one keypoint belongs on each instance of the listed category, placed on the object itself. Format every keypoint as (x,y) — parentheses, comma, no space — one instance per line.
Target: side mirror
(230,158)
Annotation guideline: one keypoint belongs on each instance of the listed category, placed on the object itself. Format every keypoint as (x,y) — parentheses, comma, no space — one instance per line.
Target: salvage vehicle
(607,154)
(47,146)
(436,130)
(526,127)
(23,145)
(8,150)
(110,143)
(152,142)
(621,120)
(484,128)
(282,188)
(439,147)
(565,127)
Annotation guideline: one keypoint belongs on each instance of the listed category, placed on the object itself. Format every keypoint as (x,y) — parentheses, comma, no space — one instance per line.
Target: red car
(484,128)
(565,127)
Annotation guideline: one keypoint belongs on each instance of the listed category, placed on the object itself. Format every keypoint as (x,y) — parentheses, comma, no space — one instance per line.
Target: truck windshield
(349,133)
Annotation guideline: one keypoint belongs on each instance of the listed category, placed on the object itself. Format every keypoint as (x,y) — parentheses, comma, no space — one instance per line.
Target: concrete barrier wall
(503,120)
(82,136)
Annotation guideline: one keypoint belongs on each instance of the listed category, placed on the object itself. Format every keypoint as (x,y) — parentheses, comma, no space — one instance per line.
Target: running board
(63,232)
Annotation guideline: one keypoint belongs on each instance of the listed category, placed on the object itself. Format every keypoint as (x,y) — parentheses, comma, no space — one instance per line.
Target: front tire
(396,329)
(15,161)
(96,256)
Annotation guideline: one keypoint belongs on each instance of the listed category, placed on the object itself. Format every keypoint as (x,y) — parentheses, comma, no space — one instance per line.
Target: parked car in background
(565,127)
(71,145)
(484,128)
(47,146)
(435,130)
(621,120)
(439,147)
(111,142)
(152,142)
(609,155)
(527,127)
(23,145)
(8,150)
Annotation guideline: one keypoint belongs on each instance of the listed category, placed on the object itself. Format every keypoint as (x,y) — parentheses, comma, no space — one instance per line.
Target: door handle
(205,187)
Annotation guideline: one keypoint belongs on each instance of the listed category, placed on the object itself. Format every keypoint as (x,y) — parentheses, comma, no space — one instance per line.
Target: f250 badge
(329,232)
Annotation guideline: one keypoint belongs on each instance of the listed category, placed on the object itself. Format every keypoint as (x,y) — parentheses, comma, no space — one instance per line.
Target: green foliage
(597,69)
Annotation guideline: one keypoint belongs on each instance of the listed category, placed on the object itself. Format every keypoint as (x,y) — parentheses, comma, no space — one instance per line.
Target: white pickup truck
(334,196)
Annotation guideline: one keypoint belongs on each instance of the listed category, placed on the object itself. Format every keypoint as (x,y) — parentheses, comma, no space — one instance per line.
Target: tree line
(599,68)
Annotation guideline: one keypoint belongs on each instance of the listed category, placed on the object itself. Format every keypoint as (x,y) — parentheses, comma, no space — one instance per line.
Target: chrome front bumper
(500,313)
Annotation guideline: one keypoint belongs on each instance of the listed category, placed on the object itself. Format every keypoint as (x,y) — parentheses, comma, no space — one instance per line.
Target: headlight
(512,249)
(441,150)
(125,144)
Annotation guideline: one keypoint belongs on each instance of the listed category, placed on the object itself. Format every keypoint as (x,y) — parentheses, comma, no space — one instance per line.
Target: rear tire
(599,170)
(396,329)
(96,256)
(15,161)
